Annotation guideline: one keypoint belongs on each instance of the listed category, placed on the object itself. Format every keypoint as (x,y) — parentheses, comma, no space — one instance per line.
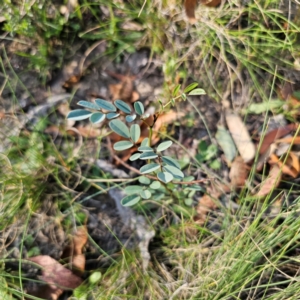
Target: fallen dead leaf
(56,276)
(290,167)
(271,182)
(239,172)
(290,140)
(206,204)
(275,134)
(74,251)
(240,136)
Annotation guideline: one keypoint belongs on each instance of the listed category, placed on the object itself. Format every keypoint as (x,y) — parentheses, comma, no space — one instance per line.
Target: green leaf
(97,117)
(133,189)
(171,161)
(145,149)
(211,152)
(149,168)
(155,185)
(119,128)
(148,155)
(165,176)
(123,145)
(144,180)
(188,178)
(196,92)
(87,104)
(78,114)
(105,105)
(194,187)
(134,156)
(183,97)
(174,171)
(258,108)
(112,115)
(130,119)
(145,194)
(177,88)
(135,132)
(95,277)
(202,147)
(188,201)
(139,107)
(226,142)
(164,145)
(123,106)
(190,87)
(130,200)
(215,164)
(145,142)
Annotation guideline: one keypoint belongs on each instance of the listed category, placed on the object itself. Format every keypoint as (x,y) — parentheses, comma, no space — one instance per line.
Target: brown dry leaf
(56,276)
(74,251)
(205,205)
(291,166)
(124,90)
(240,136)
(271,182)
(190,7)
(239,172)
(277,133)
(290,140)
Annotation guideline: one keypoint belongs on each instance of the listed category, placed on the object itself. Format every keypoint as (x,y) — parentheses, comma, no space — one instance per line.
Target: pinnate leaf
(174,171)
(133,189)
(105,105)
(171,161)
(196,92)
(130,200)
(130,118)
(148,155)
(123,145)
(149,168)
(145,194)
(139,108)
(123,106)
(79,114)
(135,132)
(165,177)
(87,104)
(144,180)
(119,128)
(164,145)
(112,115)
(97,117)
(134,156)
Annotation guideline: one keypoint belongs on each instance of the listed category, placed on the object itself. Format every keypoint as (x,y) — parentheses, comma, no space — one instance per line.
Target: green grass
(251,252)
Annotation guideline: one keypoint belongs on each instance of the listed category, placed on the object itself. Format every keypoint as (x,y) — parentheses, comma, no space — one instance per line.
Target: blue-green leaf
(134,156)
(148,155)
(97,117)
(89,105)
(133,189)
(139,107)
(171,161)
(130,200)
(165,177)
(130,118)
(135,132)
(120,128)
(122,145)
(155,185)
(145,142)
(190,87)
(149,168)
(123,106)
(111,115)
(144,180)
(174,171)
(145,194)
(196,92)
(164,145)
(145,149)
(105,105)
(194,187)
(78,114)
